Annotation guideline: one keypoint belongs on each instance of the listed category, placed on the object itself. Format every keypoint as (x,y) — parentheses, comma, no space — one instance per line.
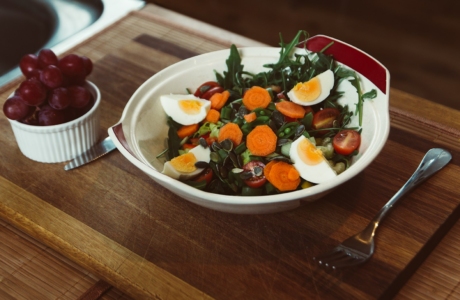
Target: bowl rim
(375,147)
(63,126)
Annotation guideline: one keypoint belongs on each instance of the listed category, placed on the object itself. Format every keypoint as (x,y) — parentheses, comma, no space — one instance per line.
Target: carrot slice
(250,117)
(261,141)
(291,109)
(256,97)
(283,176)
(218,100)
(232,132)
(212,116)
(187,130)
(268,168)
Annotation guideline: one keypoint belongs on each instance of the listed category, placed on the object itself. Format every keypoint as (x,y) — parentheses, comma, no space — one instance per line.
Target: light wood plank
(91,249)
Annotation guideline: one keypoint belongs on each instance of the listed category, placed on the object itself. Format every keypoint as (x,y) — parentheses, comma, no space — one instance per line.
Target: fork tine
(339,258)
(336,253)
(341,262)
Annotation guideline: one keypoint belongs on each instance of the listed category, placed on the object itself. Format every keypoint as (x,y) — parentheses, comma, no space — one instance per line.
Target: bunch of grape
(53,91)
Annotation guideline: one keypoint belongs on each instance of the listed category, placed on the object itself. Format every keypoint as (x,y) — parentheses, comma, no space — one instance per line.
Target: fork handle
(433,161)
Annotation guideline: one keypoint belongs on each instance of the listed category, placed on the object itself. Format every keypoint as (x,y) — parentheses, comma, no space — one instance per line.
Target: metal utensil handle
(433,161)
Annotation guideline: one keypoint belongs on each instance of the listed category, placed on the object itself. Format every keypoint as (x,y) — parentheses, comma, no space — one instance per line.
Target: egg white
(317,173)
(201,154)
(326,81)
(170,104)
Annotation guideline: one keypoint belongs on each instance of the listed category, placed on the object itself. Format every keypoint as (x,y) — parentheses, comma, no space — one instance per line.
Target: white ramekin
(63,142)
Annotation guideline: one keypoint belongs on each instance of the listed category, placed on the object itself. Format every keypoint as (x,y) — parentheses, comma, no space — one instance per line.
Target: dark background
(418,41)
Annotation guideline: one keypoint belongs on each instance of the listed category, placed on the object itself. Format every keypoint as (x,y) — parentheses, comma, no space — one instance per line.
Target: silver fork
(360,247)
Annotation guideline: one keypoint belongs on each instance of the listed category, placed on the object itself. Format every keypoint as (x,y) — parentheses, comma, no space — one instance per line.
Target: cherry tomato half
(207,175)
(257,168)
(325,118)
(208,94)
(205,87)
(346,141)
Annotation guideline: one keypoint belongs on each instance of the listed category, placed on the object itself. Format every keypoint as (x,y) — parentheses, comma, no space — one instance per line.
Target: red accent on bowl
(118,130)
(352,57)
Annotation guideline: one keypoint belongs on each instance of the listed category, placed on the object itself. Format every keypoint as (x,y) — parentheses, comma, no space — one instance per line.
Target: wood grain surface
(30,270)
(116,222)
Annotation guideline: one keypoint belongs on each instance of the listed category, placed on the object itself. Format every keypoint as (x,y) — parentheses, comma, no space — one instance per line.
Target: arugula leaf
(173,140)
(219,78)
(361,97)
(344,73)
(326,47)
(288,70)
(370,95)
(307,120)
(234,68)
(286,50)
(359,106)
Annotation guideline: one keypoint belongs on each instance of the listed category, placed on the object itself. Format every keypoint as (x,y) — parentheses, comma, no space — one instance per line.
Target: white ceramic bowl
(142,129)
(63,142)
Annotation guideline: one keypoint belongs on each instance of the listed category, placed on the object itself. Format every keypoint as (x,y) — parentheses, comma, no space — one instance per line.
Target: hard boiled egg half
(185,109)
(183,166)
(313,91)
(310,162)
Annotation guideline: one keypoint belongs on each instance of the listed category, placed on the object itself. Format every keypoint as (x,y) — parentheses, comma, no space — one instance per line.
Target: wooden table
(116,222)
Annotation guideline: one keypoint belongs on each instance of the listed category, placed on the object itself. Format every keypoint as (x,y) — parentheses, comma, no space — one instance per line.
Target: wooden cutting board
(221,255)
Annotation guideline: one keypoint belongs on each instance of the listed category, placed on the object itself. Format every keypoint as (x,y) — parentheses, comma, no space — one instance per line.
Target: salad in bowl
(255,130)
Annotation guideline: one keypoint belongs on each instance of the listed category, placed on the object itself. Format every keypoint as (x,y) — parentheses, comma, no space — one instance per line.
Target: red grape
(71,65)
(59,98)
(32,119)
(88,64)
(47,57)
(77,80)
(15,108)
(79,96)
(78,112)
(29,65)
(33,92)
(51,76)
(35,74)
(53,92)
(50,116)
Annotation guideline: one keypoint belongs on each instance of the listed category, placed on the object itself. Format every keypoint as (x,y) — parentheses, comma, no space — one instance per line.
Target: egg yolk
(308,91)
(184,163)
(308,153)
(191,107)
